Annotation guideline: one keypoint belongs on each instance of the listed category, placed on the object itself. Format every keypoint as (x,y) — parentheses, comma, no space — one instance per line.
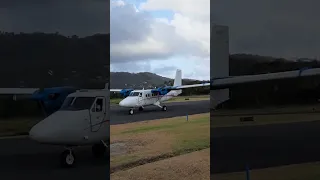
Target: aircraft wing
(227,82)
(115,90)
(192,86)
(17,91)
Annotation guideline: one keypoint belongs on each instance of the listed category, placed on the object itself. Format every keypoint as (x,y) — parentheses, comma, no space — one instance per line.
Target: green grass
(180,122)
(307,171)
(176,99)
(181,137)
(225,121)
(14,127)
(150,128)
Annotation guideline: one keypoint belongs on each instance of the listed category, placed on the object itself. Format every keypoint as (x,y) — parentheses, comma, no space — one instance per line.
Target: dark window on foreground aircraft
(67,102)
(134,94)
(80,103)
(99,105)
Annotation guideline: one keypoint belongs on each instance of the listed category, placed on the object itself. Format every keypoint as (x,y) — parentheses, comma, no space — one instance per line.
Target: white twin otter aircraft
(153,97)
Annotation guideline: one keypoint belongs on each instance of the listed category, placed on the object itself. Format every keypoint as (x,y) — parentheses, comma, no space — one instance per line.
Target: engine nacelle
(125,92)
(163,90)
(51,99)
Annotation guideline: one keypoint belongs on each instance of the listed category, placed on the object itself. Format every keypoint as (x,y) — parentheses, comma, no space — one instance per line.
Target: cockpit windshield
(134,94)
(77,103)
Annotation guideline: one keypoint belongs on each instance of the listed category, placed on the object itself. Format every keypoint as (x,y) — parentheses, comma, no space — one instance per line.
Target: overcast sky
(160,36)
(146,35)
(283,28)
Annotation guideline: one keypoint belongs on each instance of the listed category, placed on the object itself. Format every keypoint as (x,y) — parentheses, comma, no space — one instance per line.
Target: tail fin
(219,63)
(178,78)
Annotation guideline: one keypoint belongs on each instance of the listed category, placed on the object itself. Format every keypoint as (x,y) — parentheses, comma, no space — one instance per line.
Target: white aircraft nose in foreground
(82,120)
(147,97)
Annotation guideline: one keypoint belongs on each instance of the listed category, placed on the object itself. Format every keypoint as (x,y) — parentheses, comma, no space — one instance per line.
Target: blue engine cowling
(51,99)
(163,90)
(125,92)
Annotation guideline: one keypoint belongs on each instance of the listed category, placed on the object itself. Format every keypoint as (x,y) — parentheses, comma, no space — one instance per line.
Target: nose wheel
(67,158)
(131,111)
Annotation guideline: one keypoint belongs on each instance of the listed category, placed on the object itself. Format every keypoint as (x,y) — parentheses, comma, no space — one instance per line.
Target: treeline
(47,60)
(276,93)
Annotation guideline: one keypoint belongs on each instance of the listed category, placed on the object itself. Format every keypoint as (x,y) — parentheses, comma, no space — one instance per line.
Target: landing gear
(164,108)
(131,111)
(67,158)
(140,108)
(98,150)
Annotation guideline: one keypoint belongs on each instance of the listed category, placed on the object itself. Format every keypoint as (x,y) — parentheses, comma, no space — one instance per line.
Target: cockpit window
(77,103)
(134,94)
(67,102)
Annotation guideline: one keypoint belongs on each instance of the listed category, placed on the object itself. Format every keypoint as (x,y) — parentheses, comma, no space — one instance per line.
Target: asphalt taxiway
(120,115)
(234,148)
(21,158)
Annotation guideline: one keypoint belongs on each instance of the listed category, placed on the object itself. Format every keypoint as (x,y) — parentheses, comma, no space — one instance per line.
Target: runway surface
(264,146)
(120,115)
(22,158)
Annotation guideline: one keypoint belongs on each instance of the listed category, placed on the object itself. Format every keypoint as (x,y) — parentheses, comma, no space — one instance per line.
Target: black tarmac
(234,148)
(120,115)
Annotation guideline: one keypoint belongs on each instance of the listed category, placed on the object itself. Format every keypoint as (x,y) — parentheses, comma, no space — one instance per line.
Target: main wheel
(140,108)
(131,111)
(98,150)
(67,158)
(164,108)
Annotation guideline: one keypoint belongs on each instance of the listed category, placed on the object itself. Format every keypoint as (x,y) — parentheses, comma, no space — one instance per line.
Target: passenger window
(99,105)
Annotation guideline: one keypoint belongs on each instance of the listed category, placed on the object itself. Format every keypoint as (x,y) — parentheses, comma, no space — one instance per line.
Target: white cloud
(140,36)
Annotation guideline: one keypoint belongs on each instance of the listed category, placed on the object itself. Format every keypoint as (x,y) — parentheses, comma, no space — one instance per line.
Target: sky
(161,36)
(157,36)
(286,28)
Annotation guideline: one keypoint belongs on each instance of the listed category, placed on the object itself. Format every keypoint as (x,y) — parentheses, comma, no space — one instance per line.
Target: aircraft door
(140,99)
(98,113)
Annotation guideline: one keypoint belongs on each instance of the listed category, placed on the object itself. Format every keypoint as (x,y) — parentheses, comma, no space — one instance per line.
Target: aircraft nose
(37,133)
(122,102)
(41,133)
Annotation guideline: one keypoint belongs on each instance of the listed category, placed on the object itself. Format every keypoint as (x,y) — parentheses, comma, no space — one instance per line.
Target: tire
(164,108)
(67,159)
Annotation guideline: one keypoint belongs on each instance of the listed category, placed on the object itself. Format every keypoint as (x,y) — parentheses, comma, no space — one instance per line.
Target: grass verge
(195,165)
(176,99)
(15,127)
(307,171)
(231,121)
(151,141)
